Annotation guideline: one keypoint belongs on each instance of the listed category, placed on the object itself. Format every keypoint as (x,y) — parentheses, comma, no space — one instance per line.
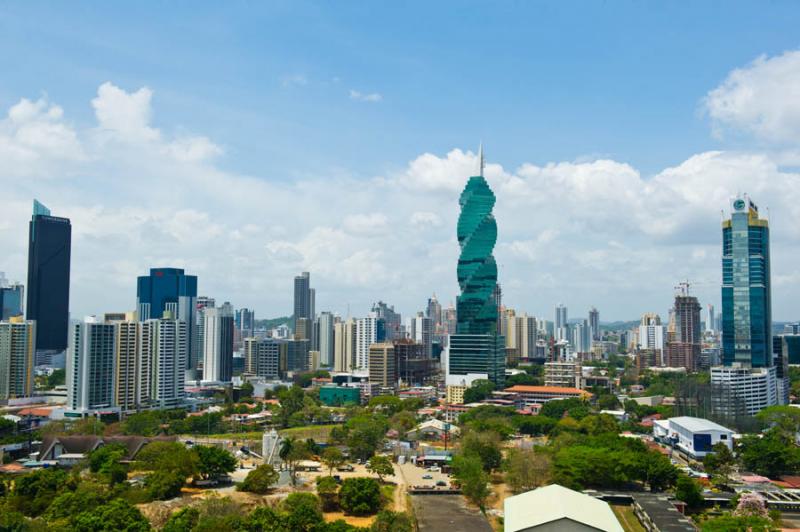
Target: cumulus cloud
(586,232)
(372,97)
(762,98)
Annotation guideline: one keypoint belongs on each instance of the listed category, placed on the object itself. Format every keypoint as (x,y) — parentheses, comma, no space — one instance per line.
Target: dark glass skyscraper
(303,299)
(49,247)
(477,348)
(746,301)
(170,289)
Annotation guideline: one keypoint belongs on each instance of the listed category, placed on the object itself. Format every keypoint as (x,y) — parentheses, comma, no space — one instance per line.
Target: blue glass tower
(169,289)
(746,300)
(49,250)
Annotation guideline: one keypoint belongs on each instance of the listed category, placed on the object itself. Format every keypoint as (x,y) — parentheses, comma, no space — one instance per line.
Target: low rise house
(537,395)
(432,429)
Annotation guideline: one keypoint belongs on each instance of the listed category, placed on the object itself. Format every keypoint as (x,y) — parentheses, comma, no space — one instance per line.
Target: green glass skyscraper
(476,348)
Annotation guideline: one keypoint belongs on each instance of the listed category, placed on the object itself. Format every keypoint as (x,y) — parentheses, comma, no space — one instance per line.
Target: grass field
(626,517)
(318,432)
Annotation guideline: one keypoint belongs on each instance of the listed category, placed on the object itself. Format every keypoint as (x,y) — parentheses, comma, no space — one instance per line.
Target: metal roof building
(556,508)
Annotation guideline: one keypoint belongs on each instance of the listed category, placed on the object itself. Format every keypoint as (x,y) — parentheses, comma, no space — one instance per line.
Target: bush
(182,521)
(327,489)
(163,485)
(260,479)
(360,496)
(304,511)
(112,517)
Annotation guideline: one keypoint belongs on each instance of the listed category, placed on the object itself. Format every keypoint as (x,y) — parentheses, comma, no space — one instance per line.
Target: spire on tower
(481,163)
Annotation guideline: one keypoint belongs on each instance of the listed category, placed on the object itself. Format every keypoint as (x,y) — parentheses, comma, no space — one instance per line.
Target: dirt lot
(436,513)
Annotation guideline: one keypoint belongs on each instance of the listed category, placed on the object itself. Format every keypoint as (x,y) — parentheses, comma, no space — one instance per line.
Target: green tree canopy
(480,390)
(469,472)
(360,496)
(381,466)
(260,479)
(213,461)
(117,515)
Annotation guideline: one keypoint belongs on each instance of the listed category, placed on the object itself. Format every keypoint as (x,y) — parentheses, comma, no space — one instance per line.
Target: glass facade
(49,249)
(746,302)
(11,301)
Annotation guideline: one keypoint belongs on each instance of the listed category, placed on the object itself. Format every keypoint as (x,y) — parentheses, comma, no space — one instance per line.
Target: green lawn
(318,432)
(626,517)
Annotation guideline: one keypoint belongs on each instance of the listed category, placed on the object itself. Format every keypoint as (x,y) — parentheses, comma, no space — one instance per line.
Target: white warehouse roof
(697,424)
(553,503)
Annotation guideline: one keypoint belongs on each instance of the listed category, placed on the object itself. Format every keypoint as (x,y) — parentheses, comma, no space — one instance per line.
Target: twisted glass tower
(476,350)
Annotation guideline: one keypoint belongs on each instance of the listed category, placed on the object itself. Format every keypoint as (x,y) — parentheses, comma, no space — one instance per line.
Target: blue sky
(290,97)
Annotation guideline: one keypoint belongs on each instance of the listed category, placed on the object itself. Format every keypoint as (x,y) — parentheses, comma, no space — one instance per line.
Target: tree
(599,424)
(484,445)
(328,490)
(751,505)
(784,418)
(772,455)
(480,390)
(688,491)
(57,378)
(388,521)
(105,461)
(213,461)
(246,390)
(360,496)
(660,474)
(469,472)
(576,408)
(523,379)
(168,456)
(534,425)
(291,452)
(304,511)
(164,484)
(147,423)
(292,402)
(260,479)
(111,517)
(720,464)
(332,457)
(184,520)
(380,465)
(34,492)
(366,434)
(387,404)
(403,421)
(70,503)
(729,522)
(527,469)
(265,519)
(608,402)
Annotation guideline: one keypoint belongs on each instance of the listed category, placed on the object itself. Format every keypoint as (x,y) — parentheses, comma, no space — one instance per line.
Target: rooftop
(697,424)
(521,388)
(554,503)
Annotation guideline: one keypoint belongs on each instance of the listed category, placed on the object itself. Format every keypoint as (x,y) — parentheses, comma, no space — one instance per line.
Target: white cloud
(294,80)
(588,232)
(762,98)
(373,97)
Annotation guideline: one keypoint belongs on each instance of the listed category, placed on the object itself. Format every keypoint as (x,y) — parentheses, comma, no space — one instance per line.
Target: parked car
(345,467)
(441,483)
(427,477)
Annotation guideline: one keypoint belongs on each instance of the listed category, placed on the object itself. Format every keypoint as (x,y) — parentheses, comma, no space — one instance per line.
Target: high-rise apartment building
(711,322)
(245,321)
(422,333)
(581,340)
(683,351)
(164,348)
(382,365)
(170,290)
(434,312)
(303,299)
(127,366)
(521,335)
(218,343)
(325,339)
(369,331)
(90,367)
(392,321)
(477,348)
(344,349)
(17,349)
(748,373)
(263,357)
(49,248)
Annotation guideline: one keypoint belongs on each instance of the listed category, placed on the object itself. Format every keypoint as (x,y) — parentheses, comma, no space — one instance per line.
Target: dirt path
(400,491)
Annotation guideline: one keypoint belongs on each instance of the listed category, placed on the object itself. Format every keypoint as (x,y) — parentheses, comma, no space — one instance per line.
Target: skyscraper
(17,346)
(746,300)
(325,339)
(747,373)
(303,299)
(477,348)
(164,348)
(434,312)
(711,322)
(423,333)
(683,351)
(218,343)
(245,321)
(170,289)
(344,351)
(369,331)
(594,324)
(392,320)
(49,248)
(561,331)
(90,367)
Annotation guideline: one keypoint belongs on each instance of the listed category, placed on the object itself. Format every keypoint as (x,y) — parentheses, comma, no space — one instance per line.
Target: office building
(90,368)
(303,299)
(171,290)
(245,321)
(49,248)
(562,374)
(344,348)
(476,348)
(218,344)
(17,350)
(263,357)
(747,349)
(382,365)
(11,298)
(422,333)
(434,311)
(297,355)
(683,351)
(392,321)
(302,329)
(414,367)
(164,348)
(594,324)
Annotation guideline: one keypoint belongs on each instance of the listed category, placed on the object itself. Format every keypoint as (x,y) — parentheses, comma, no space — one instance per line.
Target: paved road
(438,513)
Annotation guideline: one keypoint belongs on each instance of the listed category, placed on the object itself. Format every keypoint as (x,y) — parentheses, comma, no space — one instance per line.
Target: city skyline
(147,186)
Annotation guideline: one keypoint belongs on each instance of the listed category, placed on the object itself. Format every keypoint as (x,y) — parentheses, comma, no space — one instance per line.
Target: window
(723,436)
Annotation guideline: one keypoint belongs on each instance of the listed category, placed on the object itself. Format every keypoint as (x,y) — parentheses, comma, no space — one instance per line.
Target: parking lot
(412,476)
